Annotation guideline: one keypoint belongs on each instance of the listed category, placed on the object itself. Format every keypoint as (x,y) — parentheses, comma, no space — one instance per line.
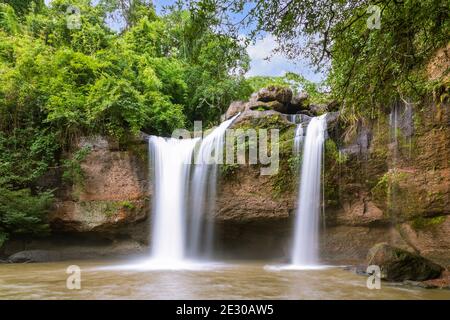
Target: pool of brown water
(234,280)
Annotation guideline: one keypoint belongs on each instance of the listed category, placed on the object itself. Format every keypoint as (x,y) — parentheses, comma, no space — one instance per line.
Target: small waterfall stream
(305,246)
(203,191)
(298,139)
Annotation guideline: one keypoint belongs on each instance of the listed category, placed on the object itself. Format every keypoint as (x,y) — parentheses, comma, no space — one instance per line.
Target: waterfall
(294,118)
(180,224)
(170,159)
(307,221)
(203,190)
(298,138)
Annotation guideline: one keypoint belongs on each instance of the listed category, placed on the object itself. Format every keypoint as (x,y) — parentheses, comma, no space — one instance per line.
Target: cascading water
(203,190)
(173,240)
(298,139)
(305,246)
(170,159)
(294,118)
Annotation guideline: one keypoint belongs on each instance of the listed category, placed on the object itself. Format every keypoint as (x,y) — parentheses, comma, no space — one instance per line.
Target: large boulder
(275,93)
(234,108)
(318,109)
(258,115)
(298,102)
(299,99)
(399,265)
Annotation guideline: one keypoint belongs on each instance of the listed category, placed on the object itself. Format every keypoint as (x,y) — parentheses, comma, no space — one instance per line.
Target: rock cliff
(114,191)
(386,180)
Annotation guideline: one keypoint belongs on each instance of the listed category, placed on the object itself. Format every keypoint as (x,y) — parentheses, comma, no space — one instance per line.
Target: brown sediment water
(237,280)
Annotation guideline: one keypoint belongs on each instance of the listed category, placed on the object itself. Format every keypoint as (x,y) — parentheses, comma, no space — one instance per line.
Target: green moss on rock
(425,223)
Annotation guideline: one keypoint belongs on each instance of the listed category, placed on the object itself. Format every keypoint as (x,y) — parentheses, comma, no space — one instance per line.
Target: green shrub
(23,213)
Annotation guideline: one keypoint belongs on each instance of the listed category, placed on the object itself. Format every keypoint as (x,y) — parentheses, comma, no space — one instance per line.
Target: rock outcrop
(279,99)
(234,108)
(275,93)
(113,194)
(299,100)
(399,265)
(379,186)
(385,181)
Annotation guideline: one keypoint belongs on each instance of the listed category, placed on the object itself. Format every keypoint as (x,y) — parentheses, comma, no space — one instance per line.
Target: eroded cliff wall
(388,181)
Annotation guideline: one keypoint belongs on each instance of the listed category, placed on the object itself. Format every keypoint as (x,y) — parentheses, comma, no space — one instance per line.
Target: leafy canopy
(369,68)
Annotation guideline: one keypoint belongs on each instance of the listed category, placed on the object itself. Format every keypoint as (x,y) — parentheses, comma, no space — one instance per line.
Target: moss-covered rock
(399,265)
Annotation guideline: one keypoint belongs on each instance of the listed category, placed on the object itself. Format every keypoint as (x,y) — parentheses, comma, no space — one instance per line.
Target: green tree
(22,213)
(60,81)
(369,67)
(22,7)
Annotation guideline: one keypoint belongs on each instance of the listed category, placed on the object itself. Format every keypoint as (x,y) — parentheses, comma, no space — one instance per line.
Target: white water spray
(305,246)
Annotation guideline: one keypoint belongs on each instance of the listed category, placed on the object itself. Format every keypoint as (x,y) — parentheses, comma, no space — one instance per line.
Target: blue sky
(262,49)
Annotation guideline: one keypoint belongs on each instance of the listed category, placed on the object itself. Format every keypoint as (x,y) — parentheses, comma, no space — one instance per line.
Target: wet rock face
(113,194)
(438,66)
(395,182)
(249,197)
(361,213)
(400,265)
(377,188)
(97,216)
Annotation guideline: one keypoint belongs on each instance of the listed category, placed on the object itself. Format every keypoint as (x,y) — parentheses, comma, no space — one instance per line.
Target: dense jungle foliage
(60,80)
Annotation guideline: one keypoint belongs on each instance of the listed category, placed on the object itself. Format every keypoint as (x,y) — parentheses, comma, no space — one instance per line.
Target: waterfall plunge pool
(231,280)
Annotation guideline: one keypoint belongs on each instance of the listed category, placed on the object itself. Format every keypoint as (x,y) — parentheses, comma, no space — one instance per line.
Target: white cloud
(277,65)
